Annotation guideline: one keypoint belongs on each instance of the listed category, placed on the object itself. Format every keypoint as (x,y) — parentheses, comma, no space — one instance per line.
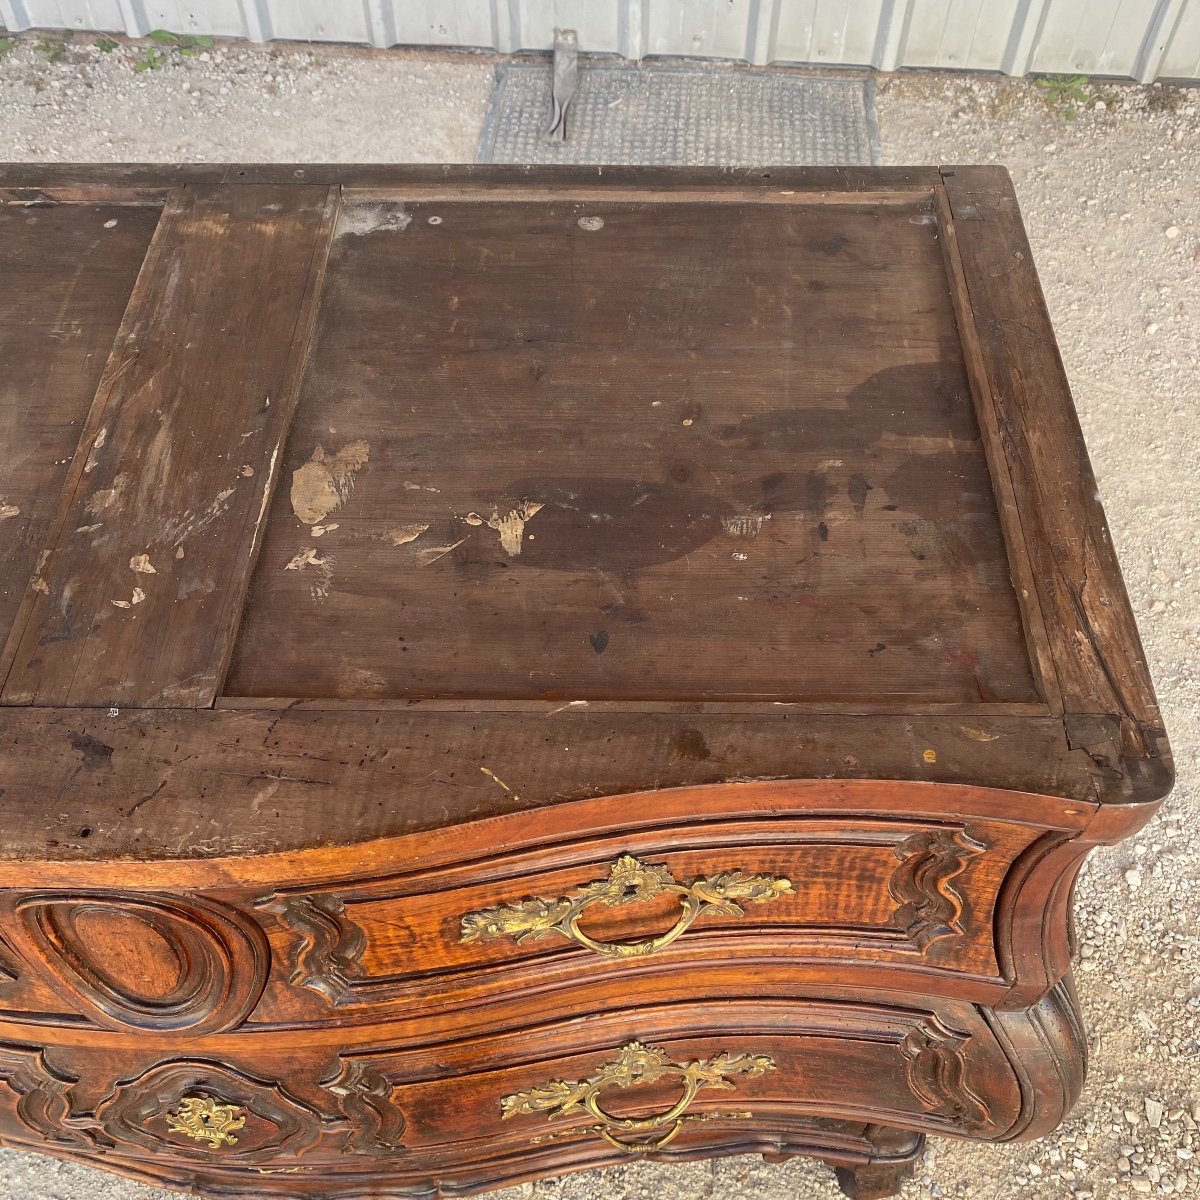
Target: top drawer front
(901,893)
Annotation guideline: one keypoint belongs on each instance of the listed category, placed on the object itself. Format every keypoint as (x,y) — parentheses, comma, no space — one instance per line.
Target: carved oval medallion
(153,962)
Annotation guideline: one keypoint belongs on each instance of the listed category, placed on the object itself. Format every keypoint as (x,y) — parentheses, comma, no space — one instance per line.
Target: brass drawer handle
(637,1064)
(206,1120)
(630,880)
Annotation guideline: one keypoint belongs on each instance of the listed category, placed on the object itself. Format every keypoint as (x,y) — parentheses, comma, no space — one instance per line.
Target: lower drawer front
(656,1074)
(637,1081)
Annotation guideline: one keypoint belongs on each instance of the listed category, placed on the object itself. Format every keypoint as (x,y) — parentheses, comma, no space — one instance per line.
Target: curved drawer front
(636,1081)
(869,891)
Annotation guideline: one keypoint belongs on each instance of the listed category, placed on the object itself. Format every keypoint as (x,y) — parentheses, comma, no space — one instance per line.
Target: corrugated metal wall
(1142,39)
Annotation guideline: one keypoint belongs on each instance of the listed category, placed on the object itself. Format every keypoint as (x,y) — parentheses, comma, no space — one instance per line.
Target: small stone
(1172,231)
(1100,106)
(1140,1183)
(1133,877)
(1123,1164)
(1152,328)
(1154,1108)
(1184,1153)
(1132,1116)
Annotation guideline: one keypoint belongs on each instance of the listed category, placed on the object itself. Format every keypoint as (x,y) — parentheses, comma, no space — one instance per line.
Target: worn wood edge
(825,178)
(118,362)
(519,831)
(1123,689)
(299,355)
(1028,599)
(568,192)
(85,193)
(552,707)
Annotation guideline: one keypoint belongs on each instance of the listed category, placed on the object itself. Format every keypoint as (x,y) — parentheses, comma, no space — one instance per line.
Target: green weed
(1063,93)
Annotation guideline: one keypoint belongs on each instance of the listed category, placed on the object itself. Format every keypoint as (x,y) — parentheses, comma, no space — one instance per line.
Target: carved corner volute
(930,908)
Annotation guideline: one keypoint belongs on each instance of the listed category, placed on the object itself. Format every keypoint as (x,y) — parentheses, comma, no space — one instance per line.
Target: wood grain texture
(143,587)
(772,570)
(65,277)
(173,785)
(1098,657)
(661,450)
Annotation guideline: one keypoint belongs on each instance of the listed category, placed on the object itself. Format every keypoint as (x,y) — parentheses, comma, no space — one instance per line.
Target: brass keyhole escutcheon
(206,1120)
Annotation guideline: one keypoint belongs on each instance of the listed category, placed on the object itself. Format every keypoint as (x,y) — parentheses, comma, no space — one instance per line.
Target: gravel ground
(1111,195)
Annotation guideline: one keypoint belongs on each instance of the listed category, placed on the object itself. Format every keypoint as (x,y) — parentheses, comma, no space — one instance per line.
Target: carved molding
(327,960)
(219,956)
(930,907)
(8,966)
(375,1124)
(140,1112)
(936,1069)
(44,1094)
(163,1110)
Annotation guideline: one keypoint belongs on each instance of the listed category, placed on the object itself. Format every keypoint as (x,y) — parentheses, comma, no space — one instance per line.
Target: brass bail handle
(673,1118)
(629,881)
(692,908)
(636,1064)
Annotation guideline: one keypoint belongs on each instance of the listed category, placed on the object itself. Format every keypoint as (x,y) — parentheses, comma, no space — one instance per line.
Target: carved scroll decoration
(930,907)
(327,961)
(937,1069)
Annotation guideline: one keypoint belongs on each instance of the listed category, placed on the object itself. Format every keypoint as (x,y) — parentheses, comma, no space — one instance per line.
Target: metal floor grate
(684,115)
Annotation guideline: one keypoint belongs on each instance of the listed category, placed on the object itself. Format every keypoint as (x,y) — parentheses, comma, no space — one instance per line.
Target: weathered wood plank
(490,176)
(139,598)
(740,437)
(193,784)
(65,278)
(1097,653)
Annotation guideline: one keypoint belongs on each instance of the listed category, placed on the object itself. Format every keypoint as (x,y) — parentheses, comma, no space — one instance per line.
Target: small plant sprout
(1063,93)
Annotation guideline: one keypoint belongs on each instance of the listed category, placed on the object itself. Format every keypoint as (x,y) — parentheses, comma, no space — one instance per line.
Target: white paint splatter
(403,534)
(325,482)
(305,558)
(511,526)
(357,220)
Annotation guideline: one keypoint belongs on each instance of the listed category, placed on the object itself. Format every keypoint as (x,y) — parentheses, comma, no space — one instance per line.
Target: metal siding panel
(444,23)
(828,32)
(598,25)
(13,15)
(1182,57)
(1093,37)
(319,20)
(1105,37)
(222,18)
(101,15)
(700,28)
(960,34)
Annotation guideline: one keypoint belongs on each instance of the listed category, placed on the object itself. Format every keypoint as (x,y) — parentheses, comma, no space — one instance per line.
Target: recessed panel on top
(681,450)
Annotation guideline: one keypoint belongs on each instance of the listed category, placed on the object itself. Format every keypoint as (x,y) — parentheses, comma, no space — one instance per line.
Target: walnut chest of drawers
(505,670)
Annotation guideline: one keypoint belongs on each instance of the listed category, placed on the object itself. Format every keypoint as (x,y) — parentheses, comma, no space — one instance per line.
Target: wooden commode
(506,670)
